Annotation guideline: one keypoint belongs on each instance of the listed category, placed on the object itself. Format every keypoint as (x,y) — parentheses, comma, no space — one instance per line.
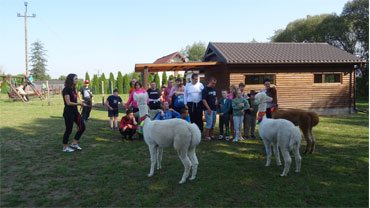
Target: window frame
(260,74)
(323,78)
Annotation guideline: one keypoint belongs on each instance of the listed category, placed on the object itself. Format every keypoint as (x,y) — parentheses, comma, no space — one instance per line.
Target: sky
(98,36)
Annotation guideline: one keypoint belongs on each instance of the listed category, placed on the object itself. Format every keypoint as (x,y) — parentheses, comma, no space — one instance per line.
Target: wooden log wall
(298,90)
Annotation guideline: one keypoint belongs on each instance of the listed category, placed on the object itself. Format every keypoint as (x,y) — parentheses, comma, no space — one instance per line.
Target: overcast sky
(113,35)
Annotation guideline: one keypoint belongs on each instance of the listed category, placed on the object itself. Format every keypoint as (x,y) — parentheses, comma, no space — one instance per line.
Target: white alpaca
(184,137)
(281,133)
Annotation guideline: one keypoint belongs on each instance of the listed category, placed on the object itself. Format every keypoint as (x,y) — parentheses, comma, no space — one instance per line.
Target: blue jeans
(238,121)
(210,119)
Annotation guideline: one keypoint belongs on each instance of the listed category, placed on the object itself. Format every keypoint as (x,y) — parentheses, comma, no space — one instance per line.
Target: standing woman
(71,113)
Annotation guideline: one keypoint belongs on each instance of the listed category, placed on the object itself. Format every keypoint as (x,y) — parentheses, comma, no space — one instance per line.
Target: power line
(25,32)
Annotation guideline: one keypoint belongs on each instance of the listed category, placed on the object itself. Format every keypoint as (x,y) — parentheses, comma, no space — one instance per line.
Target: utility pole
(25,32)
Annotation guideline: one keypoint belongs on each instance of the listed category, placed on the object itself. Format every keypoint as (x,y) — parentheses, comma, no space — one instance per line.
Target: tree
(62,77)
(150,78)
(126,84)
(120,83)
(79,84)
(179,76)
(194,52)
(356,13)
(4,87)
(112,83)
(164,78)
(95,84)
(157,80)
(87,77)
(38,60)
(102,79)
(134,75)
(171,77)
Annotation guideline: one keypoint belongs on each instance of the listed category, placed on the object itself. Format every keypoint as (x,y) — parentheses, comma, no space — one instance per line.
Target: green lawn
(109,172)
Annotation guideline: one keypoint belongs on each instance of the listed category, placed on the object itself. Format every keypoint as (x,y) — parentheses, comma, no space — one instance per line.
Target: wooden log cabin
(310,76)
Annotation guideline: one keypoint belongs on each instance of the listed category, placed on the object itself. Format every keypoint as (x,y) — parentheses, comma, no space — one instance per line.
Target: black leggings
(68,120)
(86,110)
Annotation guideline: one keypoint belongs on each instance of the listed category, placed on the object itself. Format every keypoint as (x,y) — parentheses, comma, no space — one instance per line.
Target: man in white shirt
(193,101)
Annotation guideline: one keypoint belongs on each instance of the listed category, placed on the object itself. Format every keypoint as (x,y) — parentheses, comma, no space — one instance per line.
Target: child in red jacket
(128,125)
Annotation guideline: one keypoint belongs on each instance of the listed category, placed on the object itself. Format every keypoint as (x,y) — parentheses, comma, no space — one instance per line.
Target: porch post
(144,77)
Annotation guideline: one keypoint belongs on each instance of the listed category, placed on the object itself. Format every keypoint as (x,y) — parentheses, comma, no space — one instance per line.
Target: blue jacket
(167,115)
(186,119)
(226,106)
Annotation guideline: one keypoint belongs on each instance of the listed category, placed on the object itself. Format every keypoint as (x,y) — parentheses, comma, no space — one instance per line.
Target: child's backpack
(179,101)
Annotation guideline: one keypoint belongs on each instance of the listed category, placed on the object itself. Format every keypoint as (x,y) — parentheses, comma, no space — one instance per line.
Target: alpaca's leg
(277,154)
(287,161)
(153,158)
(159,157)
(313,141)
(268,151)
(194,162)
(298,158)
(303,126)
(186,162)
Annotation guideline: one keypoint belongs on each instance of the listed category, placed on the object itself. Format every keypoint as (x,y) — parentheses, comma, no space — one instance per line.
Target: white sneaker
(235,139)
(227,138)
(76,147)
(220,137)
(241,138)
(67,149)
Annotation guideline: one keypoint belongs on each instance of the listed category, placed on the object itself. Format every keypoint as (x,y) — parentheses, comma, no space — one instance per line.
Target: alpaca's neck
(262,107)
(143,110)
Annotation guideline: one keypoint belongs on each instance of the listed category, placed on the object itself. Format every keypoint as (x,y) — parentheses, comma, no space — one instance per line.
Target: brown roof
(279,53)
(167,59)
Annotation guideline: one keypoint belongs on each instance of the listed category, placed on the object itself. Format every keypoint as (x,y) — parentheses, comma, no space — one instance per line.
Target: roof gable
(247,53)
(168,58)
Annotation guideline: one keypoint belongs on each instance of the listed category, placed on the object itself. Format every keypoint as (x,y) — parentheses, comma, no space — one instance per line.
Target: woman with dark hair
(71,113)
(138,90)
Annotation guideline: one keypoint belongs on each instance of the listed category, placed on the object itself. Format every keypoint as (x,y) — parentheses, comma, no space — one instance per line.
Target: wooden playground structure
(13,93)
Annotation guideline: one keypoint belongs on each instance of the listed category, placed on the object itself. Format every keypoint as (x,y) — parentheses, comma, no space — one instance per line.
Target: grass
(109,172)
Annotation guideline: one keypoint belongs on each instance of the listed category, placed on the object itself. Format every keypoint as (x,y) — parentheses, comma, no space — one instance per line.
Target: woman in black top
(71,113)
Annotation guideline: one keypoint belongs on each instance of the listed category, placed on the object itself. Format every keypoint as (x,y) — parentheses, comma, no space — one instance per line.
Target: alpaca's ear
(135,96)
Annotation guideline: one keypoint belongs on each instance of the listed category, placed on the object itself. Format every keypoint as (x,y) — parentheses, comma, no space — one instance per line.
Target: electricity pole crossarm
(25,32)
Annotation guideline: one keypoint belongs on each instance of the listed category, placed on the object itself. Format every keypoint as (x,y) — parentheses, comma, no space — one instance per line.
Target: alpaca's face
(262,98)
(141,99)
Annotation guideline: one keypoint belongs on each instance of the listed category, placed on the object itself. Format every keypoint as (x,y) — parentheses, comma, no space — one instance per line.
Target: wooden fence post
(102,91)
(47,86)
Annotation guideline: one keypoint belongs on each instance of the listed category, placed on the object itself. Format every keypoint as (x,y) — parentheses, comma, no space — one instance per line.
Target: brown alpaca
(304,119)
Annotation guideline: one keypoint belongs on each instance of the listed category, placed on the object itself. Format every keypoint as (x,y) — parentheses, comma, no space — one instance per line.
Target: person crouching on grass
(128,125)
(112,104)
(71,114)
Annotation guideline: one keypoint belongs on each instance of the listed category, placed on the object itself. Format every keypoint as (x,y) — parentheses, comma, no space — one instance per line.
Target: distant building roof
(171,58)
(265,53)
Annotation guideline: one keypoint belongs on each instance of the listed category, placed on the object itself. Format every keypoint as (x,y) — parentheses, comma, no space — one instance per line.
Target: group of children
(163,105)
(235,108)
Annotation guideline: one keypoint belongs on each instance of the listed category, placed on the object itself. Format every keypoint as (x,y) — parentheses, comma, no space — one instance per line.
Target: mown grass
(109,172)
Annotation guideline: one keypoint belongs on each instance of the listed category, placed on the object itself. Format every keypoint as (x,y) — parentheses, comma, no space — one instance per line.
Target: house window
(258,79)
(327,78)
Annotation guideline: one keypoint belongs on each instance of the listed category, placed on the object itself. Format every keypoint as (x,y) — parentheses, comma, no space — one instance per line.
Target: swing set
(13,93)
